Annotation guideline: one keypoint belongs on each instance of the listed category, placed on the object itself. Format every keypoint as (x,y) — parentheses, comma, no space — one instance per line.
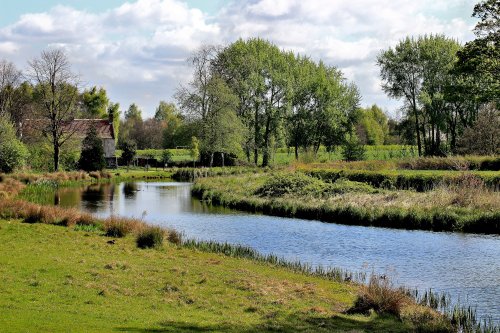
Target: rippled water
(465,265)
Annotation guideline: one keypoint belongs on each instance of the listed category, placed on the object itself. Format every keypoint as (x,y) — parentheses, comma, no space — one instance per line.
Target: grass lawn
(57,279)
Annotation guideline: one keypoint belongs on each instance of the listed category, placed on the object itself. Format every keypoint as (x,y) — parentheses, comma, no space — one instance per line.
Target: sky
(137,49)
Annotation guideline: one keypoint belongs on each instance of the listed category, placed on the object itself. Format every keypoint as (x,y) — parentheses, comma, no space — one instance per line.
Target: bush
(286,183)
(129,151)
(150,237)
(92,156)
(13,153)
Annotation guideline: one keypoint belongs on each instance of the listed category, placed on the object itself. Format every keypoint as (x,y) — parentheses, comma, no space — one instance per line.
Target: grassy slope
(59,279)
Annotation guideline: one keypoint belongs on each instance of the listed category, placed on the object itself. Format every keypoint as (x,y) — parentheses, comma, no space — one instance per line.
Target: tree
(56,91)
(13,153)
(193,99)
(372,126)
(402,76)
(171,119)
(114,118)
(166,157)
(352,149)
(10,78)
(92,155)
(222,130)
(483,138)
(165,111)
(420,71)
(132,127)
(95,102)
(479,59)
(133,113)
(194,151)
(129,150)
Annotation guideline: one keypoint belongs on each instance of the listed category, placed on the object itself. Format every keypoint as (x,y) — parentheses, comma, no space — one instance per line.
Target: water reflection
(467,266)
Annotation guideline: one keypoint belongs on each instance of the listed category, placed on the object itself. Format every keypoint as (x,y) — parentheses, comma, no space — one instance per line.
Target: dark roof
(78,127)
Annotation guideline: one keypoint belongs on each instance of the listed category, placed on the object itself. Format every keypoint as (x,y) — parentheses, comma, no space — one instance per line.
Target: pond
(466,266)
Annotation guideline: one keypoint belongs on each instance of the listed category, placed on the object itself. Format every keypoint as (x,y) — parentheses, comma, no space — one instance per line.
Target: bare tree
(56,91)
(10,78)
(194,99)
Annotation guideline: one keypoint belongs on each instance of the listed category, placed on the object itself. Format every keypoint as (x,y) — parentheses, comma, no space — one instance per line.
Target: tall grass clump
(150,237)
(118,227)
(381,296)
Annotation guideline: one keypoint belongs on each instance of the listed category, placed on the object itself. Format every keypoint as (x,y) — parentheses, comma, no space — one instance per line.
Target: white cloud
(137,50)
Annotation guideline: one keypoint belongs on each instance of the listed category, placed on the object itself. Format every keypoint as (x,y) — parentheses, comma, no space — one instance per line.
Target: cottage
(77,130)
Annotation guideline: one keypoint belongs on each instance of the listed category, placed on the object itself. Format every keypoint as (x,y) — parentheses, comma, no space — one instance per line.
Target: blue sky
(136,49)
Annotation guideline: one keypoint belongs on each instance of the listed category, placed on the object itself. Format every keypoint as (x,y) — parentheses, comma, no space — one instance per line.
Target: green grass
(178,155)
(122,174)
(56,279)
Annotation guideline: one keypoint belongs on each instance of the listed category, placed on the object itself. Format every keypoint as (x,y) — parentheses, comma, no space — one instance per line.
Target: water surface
(465,265)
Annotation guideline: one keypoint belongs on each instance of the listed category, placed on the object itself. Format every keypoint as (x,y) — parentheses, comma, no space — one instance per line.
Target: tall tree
(92,155)
(479,60)
(95,102)
(56,90)
(222,131)
(402,76)
(10,78)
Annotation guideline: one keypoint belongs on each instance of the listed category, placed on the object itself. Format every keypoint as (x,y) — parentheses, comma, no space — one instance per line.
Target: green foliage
(13,153)
(194,151)
(166,157)
(150,237)
(114,117)
(483,138)
(372,126)
(129,150)
(286,183)
(95,102)
(300,184)
(352,149)
(420,72)
(133,112)
(92,156)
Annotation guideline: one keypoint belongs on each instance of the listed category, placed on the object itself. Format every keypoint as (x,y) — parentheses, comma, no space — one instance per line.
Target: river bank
(459,207)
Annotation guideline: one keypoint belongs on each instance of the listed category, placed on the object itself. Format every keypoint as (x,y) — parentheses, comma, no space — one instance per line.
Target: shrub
(12,151)
(92,156)
(286,183)
(129,151)
(150,237)
(353,150)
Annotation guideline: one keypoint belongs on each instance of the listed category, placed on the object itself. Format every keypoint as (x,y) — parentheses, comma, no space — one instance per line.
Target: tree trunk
(56,157)
(256,137)
(296,150)
(222,156)
(417,127)
(211,159)
(265,155)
